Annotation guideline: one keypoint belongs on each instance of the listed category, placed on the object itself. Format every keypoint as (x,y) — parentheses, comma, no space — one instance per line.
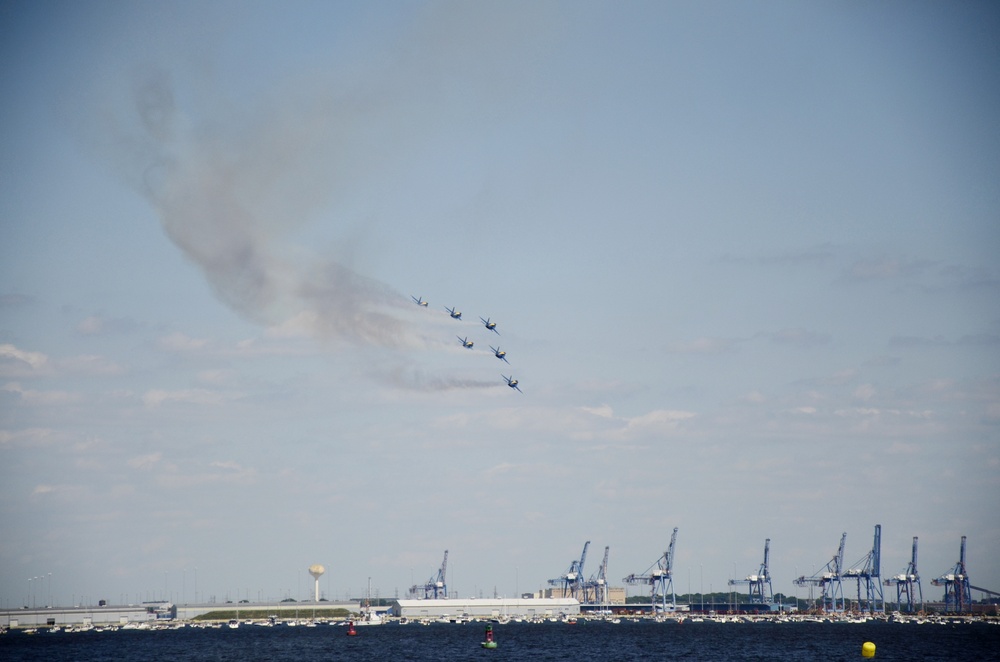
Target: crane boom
(905,584)
(572,581)
(957,593)
(437,586)
(595,589)
(659,576)
(761,592)
(828,579)
(867,573)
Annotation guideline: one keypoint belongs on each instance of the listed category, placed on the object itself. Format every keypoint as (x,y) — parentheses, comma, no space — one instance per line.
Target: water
(519,641)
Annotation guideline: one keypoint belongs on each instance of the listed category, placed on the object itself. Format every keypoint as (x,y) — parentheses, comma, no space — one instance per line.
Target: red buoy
(351,631)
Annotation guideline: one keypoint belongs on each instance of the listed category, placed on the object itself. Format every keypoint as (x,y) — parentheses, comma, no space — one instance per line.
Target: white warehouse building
(458,608)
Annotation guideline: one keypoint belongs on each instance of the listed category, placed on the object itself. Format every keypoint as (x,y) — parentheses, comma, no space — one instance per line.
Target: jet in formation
(497,352)
(511,382)
(466,342)
(454,315)
(419,301)
(492,326)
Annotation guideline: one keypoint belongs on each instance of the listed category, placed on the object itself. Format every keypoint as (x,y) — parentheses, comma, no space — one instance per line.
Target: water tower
(316,571)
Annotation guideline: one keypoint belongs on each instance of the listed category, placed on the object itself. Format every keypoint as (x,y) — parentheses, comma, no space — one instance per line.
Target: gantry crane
(906,582)
(595,589)
(957,596)
(435,587)
(828,579)
(867,572)
(572,580)
(760,584)
(660,577)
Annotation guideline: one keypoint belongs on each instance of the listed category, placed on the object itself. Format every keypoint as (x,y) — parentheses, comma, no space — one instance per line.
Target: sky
(741,256)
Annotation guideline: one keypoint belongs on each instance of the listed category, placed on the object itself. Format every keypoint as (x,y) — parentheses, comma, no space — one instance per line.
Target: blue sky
(741,257)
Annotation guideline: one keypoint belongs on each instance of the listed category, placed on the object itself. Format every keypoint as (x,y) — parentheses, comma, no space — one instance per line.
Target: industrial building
(615,595)
(460,609)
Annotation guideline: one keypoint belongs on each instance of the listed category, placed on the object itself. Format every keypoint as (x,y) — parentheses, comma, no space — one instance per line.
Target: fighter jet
(419,301)
(492,326)
(511,382)
(454,315)
(499,354)
(465,342)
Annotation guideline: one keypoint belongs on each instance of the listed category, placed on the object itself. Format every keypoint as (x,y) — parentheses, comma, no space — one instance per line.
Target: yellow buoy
(868,649)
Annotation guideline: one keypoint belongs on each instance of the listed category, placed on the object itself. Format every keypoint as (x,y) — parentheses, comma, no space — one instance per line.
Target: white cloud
(197,396)
(90,364)
(874,269)
(703,346)
(179,342)
(502,468)
(755,397)
(16,362)
(864,392)
(92,325)
(28,437)
(857,412)
(220,472)
(657,421)
(215,377)
(228,464)
(604,411)
(33,397)
(145,462)
(885,268)
(303,325)
(843,376)
(903,448)
(799,338)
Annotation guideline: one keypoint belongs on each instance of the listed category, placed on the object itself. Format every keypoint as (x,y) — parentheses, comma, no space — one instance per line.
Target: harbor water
(585,640)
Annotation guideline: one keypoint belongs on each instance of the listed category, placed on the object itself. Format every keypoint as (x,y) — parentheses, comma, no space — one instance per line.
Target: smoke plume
(231,191)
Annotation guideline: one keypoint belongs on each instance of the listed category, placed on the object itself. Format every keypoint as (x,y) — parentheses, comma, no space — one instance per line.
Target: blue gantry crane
(905,584)
(828,579)
(595,589)
(660,577)
(436,587)
(867,574)
(572,581)
(761,592)
(957,593)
